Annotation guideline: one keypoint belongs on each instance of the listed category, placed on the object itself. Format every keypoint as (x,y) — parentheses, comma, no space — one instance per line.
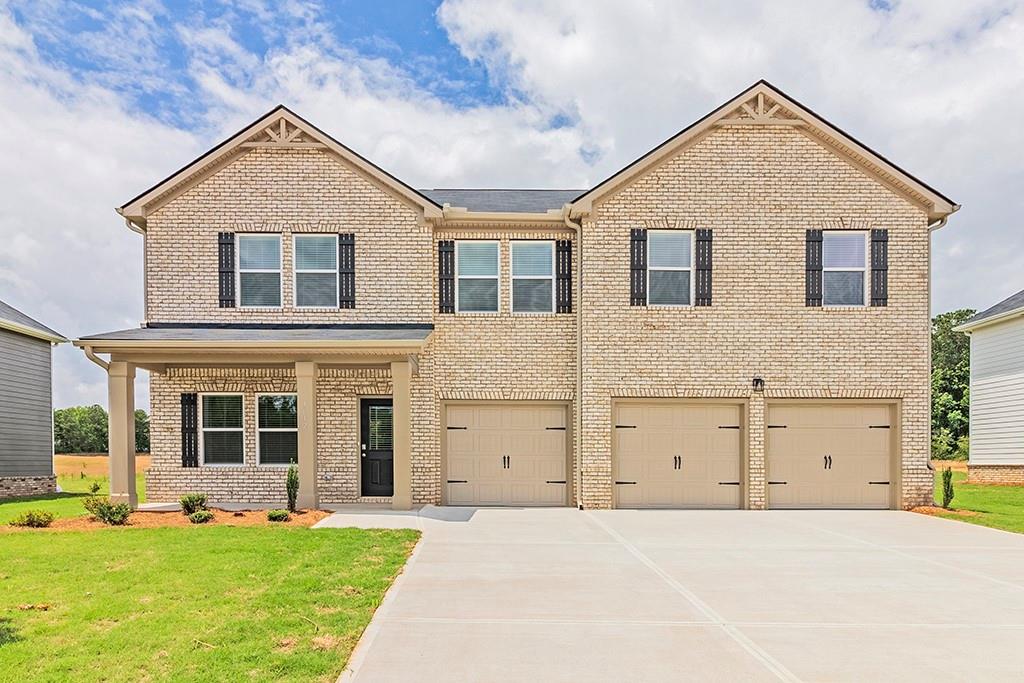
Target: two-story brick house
(739,318)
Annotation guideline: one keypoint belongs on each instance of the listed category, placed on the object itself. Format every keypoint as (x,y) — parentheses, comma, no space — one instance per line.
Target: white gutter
(6,324)
(991,320)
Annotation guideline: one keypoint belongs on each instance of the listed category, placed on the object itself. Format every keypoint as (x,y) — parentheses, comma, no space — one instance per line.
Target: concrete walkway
(564,595)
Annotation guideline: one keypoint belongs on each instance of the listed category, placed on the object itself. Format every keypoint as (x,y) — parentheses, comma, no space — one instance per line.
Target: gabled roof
(504,201)
(764,104)
(14,320)
(278,128)
(1009,307)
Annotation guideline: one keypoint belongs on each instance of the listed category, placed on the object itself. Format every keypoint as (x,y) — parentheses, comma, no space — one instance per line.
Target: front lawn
(191,604)
(68,503)
(1000,507)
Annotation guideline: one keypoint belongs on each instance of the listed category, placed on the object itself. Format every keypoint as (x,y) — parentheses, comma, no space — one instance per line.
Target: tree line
(83,429)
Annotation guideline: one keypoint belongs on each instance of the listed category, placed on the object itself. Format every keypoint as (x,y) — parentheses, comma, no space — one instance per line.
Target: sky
(100,100)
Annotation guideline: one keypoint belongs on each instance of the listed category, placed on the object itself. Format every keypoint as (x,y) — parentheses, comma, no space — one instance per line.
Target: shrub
(36,519)
(200,517)
(292,486)
(947,488)
(114,514)
(192,502)
(278,515)
(94,488)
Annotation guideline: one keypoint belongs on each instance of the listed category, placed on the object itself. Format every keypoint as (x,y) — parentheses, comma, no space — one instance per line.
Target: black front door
(376,447)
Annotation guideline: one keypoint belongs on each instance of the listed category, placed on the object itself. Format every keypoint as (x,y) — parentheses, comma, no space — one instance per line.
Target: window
(533,277)
(844,268)
(277,429)
(222,429)
(669,258)
(316,271)
(476,272)
(259,270)
(381,428)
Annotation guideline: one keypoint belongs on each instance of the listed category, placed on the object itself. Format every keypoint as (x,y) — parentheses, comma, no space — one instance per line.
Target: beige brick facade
(1006,475)
(757,187)
(17,487)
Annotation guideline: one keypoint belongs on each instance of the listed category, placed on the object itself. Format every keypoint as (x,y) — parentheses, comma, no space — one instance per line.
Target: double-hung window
(669,267)
(223,438)
(844,268)
(316,271)
(533,277)
(277,428)
(476,274)
(259,271)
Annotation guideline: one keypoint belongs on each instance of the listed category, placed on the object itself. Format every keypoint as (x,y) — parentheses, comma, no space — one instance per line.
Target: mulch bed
(937,511)
(152,520)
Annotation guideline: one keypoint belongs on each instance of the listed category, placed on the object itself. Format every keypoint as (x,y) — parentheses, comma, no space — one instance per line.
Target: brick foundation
(18,487)
(1009,475)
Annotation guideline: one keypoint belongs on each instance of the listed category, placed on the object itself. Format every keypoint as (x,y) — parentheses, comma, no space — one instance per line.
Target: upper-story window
(476,274)
(533,277)
(259,271)
(316,271)
(669,266)
(844,268)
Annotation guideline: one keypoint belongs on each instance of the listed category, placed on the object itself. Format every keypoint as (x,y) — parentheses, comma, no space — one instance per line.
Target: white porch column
(305,386)
(121,432)
(401,401)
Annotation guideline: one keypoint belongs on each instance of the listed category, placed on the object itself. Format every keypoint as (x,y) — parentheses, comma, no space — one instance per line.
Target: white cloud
(933,85)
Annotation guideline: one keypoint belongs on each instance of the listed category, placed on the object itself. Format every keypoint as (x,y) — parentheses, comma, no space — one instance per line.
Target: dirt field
(955,465)
(93,464)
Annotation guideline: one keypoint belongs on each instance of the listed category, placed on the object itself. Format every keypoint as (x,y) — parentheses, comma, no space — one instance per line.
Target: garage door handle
(728,483)
(555,429)
(625,426)
(880,483)
(620,483)
(555,481)
(457,481)
(458,427)
(778,482)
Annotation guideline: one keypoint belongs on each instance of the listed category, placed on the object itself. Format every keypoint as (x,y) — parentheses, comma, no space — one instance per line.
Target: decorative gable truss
(761,111)
(282,134)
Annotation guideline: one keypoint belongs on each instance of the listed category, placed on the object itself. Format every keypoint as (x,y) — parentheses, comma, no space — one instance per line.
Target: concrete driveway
(564,595)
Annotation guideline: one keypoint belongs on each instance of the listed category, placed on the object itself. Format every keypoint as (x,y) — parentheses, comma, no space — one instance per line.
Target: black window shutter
(563,260)
(703,284)
(446,276)
(638,267)
(189,430)
(226,268)
(879,267)
(814,267)
(347,271)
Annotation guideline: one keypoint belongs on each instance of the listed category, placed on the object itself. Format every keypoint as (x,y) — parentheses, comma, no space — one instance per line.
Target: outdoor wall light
(758,384)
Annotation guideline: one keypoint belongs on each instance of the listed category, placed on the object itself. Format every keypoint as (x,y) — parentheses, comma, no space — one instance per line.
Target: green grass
(191,604)
(65,504)
(1000,507)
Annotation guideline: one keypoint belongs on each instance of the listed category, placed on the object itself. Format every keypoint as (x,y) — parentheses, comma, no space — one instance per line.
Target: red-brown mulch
(152,520)
(937,511)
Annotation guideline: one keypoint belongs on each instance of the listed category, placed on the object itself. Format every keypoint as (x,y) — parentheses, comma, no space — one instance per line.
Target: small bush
(192,502)
(94,488)
(37,519)
(114,514)
(200,517)
(292,486)
(278,515)
(947,488)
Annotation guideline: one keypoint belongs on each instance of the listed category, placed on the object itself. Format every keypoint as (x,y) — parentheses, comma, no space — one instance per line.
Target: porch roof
(246,334)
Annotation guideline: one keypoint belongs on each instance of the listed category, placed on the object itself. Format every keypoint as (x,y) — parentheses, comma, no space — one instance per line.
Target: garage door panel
(828,455)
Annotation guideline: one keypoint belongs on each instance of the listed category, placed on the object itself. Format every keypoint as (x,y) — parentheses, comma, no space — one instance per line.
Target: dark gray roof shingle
(368,333)
(504,201)
(1005,306)
(11,314)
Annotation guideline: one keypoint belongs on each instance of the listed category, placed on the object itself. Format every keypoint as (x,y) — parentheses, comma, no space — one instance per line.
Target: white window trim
(296,270)
(259,454)
(279,271)
(689,269)
(496,278)
(203,430)
(865,300)
(513,277)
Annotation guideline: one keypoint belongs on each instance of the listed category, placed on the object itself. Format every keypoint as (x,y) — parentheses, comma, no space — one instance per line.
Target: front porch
(327,373)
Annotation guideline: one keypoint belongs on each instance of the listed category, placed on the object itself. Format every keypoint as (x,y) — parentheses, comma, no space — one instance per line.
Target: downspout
(932,227)
(577,228)
(145,264)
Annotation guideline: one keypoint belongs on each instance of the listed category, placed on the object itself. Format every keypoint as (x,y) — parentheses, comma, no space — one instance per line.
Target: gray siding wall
(997,394)
(26,437)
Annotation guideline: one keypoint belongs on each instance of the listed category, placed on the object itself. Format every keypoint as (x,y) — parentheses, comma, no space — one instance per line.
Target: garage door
(677,455)
(828,456)
(506,454)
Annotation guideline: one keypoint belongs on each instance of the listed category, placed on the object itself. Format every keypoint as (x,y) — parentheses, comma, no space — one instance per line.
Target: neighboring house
(739,318)
(26,423)
(997,392)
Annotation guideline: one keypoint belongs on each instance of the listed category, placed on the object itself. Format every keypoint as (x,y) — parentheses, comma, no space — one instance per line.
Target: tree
(83,429)
(141,431)
(951,377)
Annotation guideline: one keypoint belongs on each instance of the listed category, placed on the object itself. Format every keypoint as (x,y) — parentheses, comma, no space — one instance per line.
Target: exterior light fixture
(758,384)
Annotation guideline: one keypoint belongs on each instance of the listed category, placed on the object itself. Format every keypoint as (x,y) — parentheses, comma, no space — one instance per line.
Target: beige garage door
(677,455)
(506,454)
(829,455)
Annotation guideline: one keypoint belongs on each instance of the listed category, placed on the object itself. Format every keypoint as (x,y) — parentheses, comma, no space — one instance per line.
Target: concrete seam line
(894,551)
(356,659)
(773,665)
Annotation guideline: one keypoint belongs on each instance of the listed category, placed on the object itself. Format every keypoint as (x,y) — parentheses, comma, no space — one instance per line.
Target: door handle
(830,462)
